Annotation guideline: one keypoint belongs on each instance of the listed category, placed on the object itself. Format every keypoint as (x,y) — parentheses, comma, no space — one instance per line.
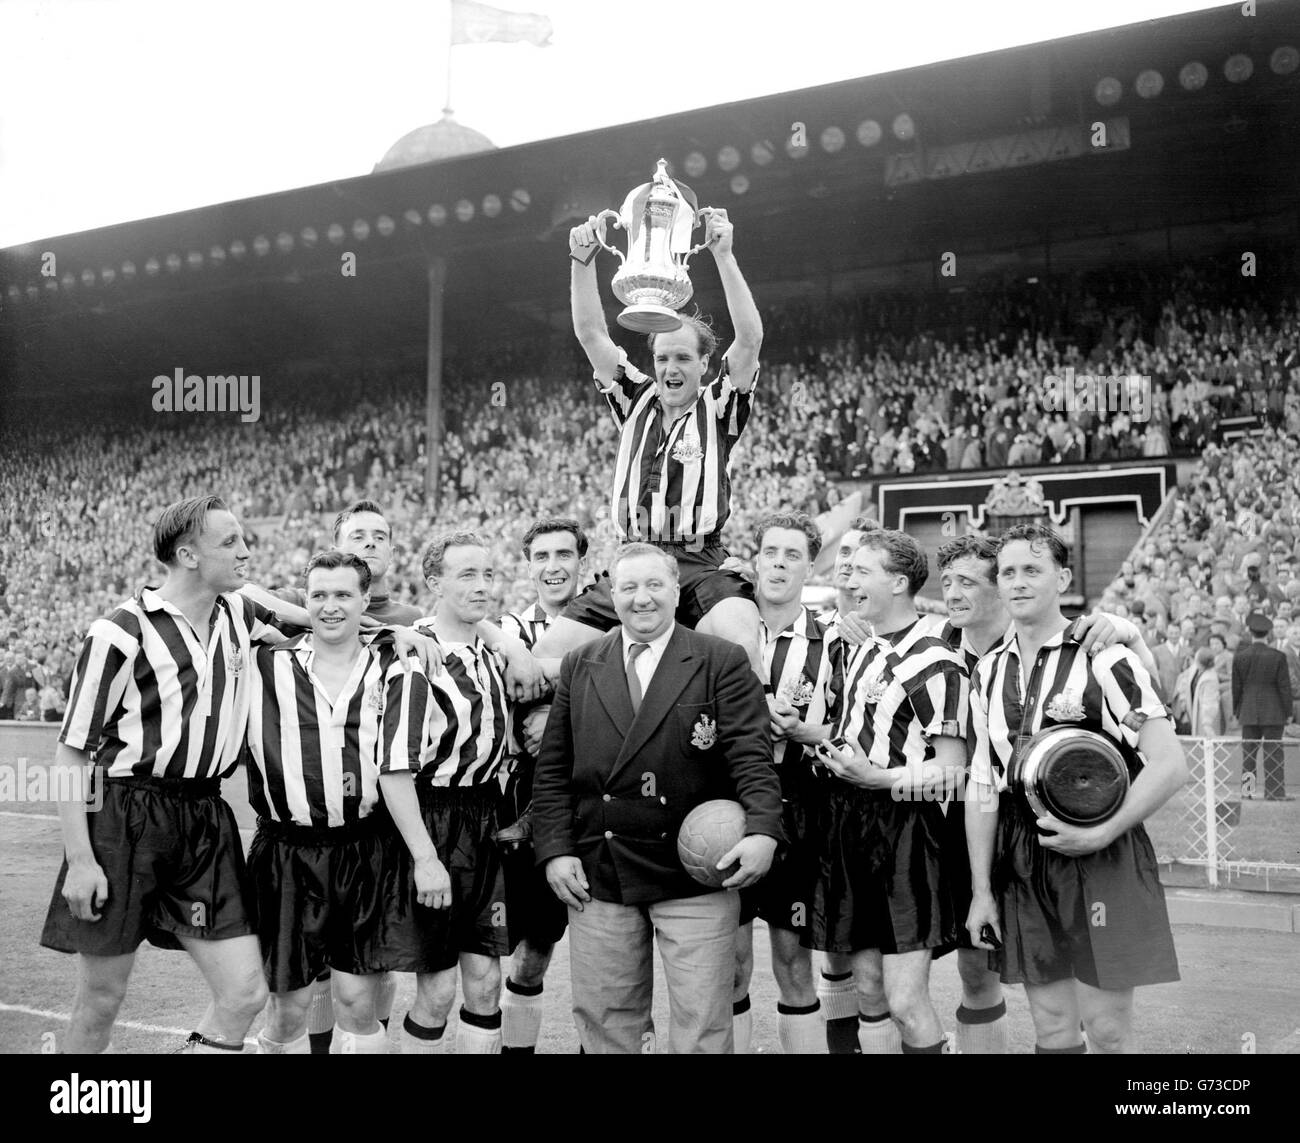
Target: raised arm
(743,352)
(584,301)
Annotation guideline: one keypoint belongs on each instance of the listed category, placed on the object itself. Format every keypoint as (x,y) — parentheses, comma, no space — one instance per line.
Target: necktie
(633,679)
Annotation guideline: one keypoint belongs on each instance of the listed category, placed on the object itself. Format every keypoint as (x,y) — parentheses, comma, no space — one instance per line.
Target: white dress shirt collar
(656,646)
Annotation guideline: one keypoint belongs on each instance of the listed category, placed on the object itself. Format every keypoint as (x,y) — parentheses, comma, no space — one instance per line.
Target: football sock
(1076,1050)
(923,1050)
(478,1035)
(358,1044)
(799,1029)
(296,1047)
(521,1017)
(417,1040)
(983,1031)
(879,1035)
(742,1026)
(320,1016)
(839,1008)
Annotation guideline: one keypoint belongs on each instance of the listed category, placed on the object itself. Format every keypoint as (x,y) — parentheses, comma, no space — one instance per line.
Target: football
(708,832)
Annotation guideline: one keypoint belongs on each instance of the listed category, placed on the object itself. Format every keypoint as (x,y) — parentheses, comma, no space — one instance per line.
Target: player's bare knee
(481,981)
(1056,1019)
(837,964)
(244,995)
(908,1004)
(794,982)
(528,969)
(1108,1033)
(97,1007)
(791,965)
(435,992)
(980,988)
(286,1015)
(868,976)
(734,619)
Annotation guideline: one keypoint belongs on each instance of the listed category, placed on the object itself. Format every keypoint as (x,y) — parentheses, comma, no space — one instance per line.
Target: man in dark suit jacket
(616,776)
(1261,699)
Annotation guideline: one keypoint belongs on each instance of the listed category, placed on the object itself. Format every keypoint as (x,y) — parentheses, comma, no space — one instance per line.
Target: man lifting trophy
(676,428)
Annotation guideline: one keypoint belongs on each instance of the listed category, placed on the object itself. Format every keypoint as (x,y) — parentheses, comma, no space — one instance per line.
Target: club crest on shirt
(875,687)
(1065,707)
(798,692)
(704,733)
(375,699)
(686,450)
(235,664)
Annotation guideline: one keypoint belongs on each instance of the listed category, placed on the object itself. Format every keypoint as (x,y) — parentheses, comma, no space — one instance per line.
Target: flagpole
(446,109)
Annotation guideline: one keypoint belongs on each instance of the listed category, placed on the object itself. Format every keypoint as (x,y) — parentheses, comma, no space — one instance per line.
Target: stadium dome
(445,139)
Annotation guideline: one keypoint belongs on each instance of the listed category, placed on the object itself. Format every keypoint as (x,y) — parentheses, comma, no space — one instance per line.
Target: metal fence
(1220,831)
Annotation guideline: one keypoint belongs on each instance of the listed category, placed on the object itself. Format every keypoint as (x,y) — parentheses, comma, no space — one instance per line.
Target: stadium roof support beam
(433,392)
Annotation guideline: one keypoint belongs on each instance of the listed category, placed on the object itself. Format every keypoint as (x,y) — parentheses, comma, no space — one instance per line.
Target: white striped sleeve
(1127,690)
(731,406)
(621,392)
(260,621)
(939,696)
(407,709)
(99,683)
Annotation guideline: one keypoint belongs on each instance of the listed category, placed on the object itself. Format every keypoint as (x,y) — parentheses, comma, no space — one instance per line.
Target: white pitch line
(134,1025)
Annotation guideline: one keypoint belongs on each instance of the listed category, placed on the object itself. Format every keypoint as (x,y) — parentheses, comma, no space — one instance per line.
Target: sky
(112,110)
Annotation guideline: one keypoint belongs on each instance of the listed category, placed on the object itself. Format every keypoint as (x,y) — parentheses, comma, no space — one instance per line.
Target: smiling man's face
(335,604)
(555,567)
(645,596)
(679,369)
(969,591)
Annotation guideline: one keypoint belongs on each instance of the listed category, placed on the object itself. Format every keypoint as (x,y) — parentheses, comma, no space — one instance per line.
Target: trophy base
(650,319)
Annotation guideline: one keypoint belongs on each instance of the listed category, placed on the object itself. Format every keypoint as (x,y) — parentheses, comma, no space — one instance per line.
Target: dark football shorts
(783,898)
(702,586)
(957,868)
(170,850)
(316,901)
(1100,918)
(533,912)
(415,938)
(881,875)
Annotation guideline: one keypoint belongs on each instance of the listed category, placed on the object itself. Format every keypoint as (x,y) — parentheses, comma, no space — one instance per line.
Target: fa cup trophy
(652,281)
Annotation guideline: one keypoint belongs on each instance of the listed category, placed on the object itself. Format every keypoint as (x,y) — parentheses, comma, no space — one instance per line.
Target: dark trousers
(1270,737)
(6,712)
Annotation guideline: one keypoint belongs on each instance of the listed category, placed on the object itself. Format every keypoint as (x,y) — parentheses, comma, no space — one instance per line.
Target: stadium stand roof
(1000,169)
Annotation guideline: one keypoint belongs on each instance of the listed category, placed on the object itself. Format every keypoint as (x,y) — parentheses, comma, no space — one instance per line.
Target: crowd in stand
(1226,550)
(865,386)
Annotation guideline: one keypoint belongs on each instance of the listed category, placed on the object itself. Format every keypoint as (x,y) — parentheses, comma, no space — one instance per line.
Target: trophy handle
(699,217)
(600,231)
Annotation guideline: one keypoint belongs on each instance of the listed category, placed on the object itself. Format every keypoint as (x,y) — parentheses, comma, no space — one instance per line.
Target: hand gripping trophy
(652,281)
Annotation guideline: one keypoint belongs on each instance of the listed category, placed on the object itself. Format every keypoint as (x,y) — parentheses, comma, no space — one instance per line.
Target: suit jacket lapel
(610,681)
(676,669)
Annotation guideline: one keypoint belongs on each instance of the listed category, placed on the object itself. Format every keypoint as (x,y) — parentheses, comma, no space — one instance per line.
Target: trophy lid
(661,185)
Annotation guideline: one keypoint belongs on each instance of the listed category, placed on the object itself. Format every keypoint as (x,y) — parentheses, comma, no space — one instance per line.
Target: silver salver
(1077,776)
